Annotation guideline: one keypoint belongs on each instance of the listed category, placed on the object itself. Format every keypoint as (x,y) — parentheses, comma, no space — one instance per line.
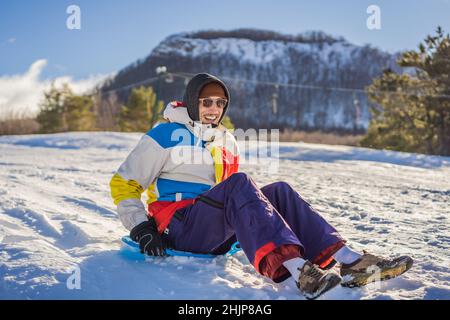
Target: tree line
(61,110)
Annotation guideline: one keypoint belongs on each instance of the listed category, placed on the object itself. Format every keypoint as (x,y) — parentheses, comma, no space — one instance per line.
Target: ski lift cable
(145,81)
(187,76)
(316,87)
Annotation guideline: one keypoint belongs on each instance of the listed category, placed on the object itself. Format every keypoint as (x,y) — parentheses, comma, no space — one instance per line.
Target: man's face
(210,109)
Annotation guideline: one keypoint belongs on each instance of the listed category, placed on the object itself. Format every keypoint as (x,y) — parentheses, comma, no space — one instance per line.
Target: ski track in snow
(56,213)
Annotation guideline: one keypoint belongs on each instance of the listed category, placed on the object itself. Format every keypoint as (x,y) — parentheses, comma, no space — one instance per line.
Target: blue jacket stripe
(167,189)
(172,134)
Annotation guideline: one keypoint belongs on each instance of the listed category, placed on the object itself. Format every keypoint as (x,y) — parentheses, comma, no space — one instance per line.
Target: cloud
(22,93)
(11,40)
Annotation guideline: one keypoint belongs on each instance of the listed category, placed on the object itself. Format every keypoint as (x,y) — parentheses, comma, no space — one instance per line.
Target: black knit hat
(192,93)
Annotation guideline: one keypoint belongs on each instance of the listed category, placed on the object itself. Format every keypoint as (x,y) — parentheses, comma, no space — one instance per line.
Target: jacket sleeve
(139,170)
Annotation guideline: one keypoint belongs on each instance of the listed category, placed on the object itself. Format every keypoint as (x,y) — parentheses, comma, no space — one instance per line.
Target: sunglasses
(208,102)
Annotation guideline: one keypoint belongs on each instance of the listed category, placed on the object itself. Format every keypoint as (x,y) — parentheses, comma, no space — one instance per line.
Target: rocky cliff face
(308,81)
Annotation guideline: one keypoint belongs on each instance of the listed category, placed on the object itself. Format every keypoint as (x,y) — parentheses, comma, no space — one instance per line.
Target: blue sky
(115,33)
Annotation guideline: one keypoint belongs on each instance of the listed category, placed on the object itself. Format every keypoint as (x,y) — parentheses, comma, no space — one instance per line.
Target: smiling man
(212,101)
(205,206)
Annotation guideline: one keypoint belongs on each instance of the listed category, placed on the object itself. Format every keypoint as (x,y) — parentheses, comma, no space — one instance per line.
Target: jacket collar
(177,112)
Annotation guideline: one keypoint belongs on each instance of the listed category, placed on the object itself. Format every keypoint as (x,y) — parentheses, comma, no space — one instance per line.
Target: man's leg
(235,207)
(322,243)
(320,239)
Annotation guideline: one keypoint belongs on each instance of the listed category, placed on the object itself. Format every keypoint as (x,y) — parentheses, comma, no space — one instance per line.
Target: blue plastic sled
(135,247)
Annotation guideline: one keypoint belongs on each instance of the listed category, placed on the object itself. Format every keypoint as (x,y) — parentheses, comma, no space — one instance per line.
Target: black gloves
(150,241)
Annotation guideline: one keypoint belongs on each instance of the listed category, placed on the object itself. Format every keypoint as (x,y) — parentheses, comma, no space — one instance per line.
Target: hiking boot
(370,268)
(313,282)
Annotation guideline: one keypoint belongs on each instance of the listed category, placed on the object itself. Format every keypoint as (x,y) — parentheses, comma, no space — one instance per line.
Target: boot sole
(363,279)
(327,287)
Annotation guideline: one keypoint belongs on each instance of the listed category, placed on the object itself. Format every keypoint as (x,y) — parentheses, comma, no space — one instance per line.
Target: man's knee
(238,178)
(279,185)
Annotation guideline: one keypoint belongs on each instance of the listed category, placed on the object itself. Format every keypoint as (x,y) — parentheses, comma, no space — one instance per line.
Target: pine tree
(412,111)
(432,63)
(51,117)
(142,110)
(62,110)
(80,114)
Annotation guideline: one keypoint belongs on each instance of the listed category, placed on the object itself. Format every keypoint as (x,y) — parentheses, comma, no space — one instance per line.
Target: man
(205,206)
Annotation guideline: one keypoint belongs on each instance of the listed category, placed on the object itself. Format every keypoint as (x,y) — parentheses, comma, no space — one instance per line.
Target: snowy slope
(56,213)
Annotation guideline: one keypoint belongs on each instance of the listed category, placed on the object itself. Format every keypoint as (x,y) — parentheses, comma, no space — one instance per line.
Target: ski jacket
(174,162)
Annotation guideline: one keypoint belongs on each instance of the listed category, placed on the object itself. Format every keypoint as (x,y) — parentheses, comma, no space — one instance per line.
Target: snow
(256,52)
(56,215)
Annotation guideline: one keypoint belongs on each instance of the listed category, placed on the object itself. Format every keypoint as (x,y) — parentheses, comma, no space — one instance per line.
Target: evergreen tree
(142,110)
(61,110)
(51,117)
(412,111)
(80,114)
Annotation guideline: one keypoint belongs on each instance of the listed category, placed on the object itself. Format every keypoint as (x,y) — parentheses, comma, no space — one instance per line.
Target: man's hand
(150,241)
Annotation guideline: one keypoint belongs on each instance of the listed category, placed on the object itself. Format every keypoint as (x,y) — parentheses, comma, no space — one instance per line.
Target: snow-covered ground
(56,215)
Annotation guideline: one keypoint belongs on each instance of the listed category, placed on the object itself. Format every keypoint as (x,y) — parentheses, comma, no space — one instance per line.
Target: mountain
(308,81)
